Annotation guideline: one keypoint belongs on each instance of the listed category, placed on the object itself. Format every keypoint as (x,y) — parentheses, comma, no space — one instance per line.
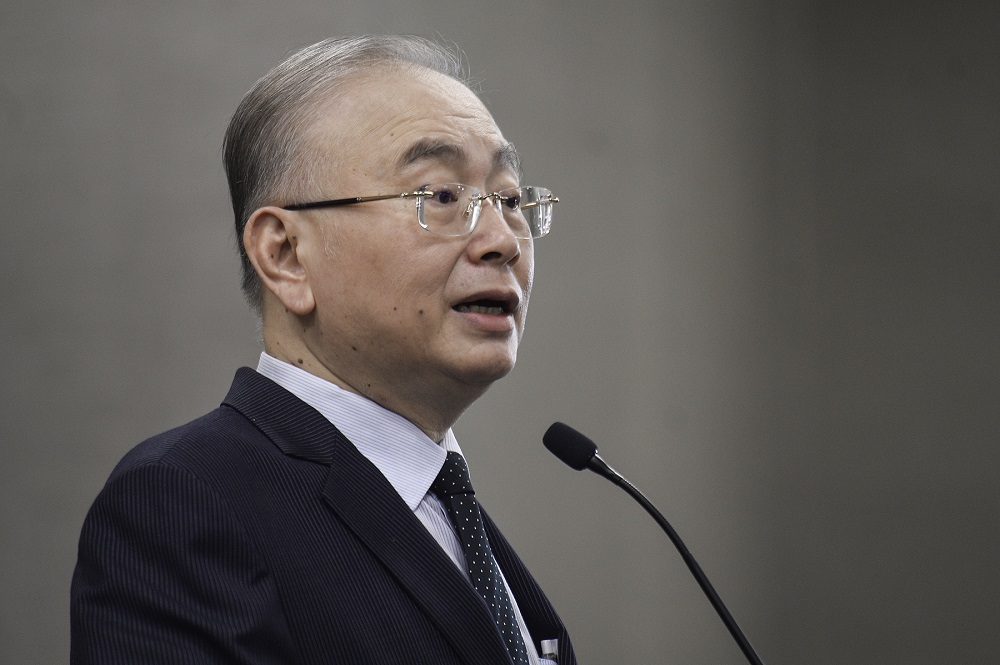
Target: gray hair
(265,147)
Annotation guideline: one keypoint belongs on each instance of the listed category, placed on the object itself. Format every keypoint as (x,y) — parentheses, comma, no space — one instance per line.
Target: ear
(271,241)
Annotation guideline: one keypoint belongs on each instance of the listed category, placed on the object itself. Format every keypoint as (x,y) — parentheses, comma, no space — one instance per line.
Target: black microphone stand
(599,466)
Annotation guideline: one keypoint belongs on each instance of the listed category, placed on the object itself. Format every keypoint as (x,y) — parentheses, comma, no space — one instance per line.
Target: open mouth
(494,307)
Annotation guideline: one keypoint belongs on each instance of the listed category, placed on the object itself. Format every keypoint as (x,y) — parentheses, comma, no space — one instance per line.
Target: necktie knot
(453,478)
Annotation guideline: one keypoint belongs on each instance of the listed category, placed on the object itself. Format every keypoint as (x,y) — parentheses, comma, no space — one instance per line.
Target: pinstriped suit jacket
(259,534)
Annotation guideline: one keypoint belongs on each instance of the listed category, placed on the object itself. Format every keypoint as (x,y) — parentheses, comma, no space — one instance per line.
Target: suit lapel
(540,617)
(367,504)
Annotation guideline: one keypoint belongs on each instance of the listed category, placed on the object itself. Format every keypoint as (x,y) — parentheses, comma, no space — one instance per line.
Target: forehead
(387,122)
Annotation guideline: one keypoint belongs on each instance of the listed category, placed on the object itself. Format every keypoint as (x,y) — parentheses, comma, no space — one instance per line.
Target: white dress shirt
(407,457)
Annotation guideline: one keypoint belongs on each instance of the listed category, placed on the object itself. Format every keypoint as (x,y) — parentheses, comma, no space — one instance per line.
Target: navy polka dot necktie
(454,487)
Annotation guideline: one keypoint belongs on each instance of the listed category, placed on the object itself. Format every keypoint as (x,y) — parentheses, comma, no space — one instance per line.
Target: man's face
(392,317)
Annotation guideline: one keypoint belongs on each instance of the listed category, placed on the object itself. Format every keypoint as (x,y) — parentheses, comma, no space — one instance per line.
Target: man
(309,518)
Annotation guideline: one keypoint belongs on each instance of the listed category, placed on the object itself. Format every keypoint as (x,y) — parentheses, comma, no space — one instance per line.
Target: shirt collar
(407,457)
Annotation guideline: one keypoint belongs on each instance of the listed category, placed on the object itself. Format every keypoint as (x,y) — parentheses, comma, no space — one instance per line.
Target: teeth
(480,309)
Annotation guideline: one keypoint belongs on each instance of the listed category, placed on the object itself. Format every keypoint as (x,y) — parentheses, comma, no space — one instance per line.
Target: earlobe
(271,243)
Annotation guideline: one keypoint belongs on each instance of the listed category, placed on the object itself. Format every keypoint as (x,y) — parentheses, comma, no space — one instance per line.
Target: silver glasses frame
(476,199)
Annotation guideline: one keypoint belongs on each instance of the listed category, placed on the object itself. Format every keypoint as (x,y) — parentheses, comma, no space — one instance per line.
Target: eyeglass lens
(453,209)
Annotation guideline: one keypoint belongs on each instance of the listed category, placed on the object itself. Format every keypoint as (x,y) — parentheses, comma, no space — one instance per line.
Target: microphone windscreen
(570,446)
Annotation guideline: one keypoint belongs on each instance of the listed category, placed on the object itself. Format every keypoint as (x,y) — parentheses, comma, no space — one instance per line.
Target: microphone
(579,452)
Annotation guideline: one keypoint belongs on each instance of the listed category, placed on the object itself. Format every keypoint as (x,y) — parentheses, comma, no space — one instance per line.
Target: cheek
(526,277)
(526,270)
(402,291)
(393,275)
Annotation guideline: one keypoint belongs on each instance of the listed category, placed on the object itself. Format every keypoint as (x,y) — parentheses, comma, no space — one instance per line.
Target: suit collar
(296,428)
(404,454)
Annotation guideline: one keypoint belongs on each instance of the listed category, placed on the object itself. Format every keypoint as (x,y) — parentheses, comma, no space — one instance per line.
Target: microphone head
(570,446)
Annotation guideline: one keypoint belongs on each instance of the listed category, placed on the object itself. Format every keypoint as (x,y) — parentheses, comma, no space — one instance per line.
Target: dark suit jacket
(259,534)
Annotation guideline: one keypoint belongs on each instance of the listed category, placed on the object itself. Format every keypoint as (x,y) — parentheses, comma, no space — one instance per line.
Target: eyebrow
(505,157)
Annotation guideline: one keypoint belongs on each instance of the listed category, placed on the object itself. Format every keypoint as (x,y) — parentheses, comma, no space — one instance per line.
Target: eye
(444,195)
(512,202)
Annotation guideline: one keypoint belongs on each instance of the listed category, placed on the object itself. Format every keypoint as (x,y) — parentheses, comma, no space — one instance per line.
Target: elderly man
(387,245)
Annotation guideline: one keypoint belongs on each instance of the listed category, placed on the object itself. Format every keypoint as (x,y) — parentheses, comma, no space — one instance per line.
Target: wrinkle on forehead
(407,114)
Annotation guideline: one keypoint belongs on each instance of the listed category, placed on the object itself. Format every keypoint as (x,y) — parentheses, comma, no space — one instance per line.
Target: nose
(493,239)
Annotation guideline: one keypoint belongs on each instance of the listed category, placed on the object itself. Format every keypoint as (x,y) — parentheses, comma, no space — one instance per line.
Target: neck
(434,409)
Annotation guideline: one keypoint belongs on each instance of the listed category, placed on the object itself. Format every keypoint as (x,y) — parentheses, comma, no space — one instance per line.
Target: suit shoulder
(215,430)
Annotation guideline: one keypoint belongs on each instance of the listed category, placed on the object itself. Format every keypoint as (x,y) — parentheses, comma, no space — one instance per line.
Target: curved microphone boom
(579,452)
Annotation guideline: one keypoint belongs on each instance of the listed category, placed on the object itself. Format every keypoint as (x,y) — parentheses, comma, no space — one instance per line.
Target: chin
(488,369)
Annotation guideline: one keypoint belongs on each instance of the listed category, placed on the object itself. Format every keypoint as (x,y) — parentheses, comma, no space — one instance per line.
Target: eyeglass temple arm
(535,204)
(333,203)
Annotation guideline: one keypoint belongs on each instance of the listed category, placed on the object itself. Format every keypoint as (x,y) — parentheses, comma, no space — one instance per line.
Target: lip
(507,299)
(470,308)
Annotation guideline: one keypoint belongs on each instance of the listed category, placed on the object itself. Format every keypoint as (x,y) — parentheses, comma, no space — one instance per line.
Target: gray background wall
(771,297)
